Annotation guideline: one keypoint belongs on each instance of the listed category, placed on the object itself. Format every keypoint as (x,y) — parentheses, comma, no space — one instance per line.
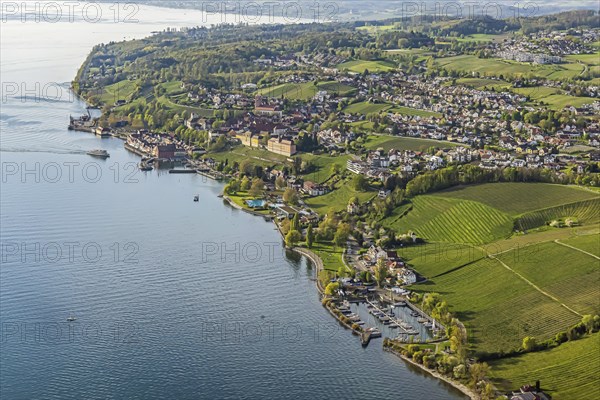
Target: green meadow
(360,66)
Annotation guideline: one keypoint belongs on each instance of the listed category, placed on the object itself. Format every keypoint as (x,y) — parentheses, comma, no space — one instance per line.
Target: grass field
(172,87)
(588,59)
(567,372)
(305,91)
(518,198)
(117,91)
(440,219)
(337,199)
(331,255)
(292,91)
(324,166)
(168,103)
(360,66)
(405,143)
(365,108)
(498,308)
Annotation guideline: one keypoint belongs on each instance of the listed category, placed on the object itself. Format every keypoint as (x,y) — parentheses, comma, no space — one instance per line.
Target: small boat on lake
(375,333)
(71,318)
(98,153)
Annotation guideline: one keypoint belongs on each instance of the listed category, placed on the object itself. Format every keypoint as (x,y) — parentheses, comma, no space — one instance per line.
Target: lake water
(173,298)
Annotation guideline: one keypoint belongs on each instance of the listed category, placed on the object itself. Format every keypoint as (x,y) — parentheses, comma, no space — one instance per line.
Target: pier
(393,321)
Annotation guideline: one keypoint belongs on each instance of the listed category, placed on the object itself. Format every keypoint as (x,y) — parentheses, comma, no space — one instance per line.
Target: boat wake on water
(9,150)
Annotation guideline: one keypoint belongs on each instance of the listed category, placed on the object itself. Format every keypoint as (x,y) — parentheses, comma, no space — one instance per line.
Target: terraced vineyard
(434,259)
(536,287)
(589,243)
(498,308)
(450,220)
(586,212)
(569,275)
(567,372)
(517,198)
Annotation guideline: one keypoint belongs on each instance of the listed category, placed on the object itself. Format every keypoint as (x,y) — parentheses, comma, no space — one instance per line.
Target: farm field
(405,143)
(569,275)
(566,372)
(498,308)
(517,198)
(440,219)
(360,66)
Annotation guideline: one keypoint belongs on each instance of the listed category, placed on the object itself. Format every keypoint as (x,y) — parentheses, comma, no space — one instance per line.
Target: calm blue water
(173,298)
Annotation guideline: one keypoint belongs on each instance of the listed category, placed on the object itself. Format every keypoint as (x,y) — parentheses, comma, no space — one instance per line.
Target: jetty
(84,123)
(391,320)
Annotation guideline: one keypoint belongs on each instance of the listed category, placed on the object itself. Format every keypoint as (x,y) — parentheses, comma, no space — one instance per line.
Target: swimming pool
(256,203)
